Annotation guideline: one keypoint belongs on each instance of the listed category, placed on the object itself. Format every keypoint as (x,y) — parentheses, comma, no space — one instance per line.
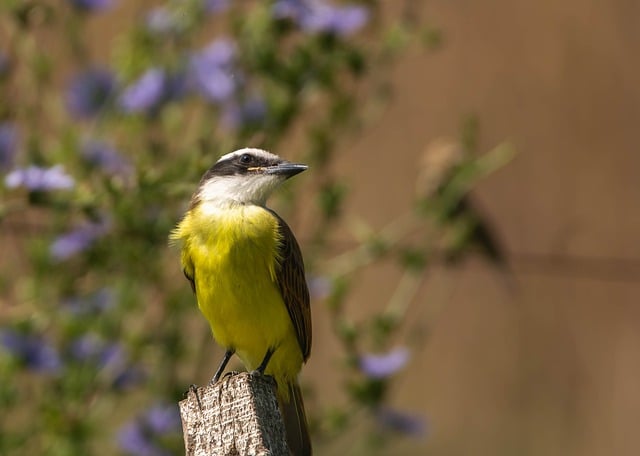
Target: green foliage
(99,158)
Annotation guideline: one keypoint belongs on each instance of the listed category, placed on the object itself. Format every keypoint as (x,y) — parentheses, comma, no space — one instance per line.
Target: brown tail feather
(295,422)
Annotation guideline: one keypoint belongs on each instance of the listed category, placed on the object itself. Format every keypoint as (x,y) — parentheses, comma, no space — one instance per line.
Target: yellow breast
(233,255)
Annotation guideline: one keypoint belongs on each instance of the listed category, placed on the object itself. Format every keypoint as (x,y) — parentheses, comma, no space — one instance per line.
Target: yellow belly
(233,255)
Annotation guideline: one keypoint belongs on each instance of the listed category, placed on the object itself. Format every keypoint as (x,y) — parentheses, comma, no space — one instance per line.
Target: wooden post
(237,416)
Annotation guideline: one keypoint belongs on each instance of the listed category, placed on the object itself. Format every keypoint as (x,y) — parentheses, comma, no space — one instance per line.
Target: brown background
(553,369)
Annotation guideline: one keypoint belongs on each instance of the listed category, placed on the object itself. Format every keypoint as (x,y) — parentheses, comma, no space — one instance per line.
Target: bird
(246,269)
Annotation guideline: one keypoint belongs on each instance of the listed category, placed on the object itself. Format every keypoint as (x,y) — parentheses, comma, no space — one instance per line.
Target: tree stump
(237,416)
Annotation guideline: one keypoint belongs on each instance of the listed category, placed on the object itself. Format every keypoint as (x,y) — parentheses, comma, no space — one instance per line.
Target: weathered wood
(237,416)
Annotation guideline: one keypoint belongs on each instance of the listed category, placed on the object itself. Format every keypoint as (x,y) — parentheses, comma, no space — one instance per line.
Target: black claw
(227,356)
(230,374)
(192,389)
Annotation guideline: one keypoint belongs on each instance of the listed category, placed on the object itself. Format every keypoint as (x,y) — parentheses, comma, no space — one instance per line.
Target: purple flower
(163,418)
(8,144)
(142,436)
(212,71)
(291,9)
(162,21)
(94,304)
(175,86)
(319,287)
(35,178)
(318,16)
(126,378)
(86,348)
(151,90)
(33,351)
(342,21)
(5,64)
(145,93)
(105,157)
(383,366)
(134,440)
(400,422)
(91,5)
(215,6)
(114,361)
(90,92)
(111,359)
(250,112)
(90,347)
(77,240)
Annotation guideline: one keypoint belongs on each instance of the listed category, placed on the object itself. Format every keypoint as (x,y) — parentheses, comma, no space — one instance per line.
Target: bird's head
(246,176)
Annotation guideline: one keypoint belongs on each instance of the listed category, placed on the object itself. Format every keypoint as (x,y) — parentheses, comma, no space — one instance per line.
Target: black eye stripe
(238,164)
(251,160)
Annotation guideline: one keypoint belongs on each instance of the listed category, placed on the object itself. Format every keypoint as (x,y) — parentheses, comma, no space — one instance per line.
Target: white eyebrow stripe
(248,150)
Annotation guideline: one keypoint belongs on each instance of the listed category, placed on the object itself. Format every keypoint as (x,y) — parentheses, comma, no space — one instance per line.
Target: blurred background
(550,367)
(468,220)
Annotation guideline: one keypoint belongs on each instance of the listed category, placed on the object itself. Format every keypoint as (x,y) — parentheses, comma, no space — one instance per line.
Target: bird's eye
(245,159)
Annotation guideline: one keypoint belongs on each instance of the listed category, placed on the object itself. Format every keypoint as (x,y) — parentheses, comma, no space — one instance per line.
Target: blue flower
(162,21)
(215,6)
(86,348)
(35,178)
(91,5)
(163,418)
(291,9)
(342,21)
(93,304)
(90,92)
(400,422)
(34,352)
(250,112)
(105,157)
(110,359)
(77,240)
(114,361)
(383,366)
(319,287)
(126,378)
(318,16)
(146,93)
(5,64)
(8,144)
(212,71)
(134,440)
(152,90)
(141,436)
(91,348)
(175,86)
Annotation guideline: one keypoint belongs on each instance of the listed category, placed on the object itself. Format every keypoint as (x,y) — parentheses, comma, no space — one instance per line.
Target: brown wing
(188,270)
(192,280)
(293,286)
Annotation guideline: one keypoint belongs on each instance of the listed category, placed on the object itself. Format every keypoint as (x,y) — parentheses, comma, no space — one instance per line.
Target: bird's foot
(230,374)
(192,389)
(226,376)
(259,373)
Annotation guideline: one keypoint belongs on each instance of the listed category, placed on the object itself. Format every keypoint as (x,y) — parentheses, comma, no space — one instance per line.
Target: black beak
(286,169)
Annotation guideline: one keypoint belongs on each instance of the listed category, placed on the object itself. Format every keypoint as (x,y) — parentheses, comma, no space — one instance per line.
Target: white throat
(225,191)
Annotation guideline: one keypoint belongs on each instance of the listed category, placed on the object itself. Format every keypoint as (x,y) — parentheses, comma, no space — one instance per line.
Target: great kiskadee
(246,270)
